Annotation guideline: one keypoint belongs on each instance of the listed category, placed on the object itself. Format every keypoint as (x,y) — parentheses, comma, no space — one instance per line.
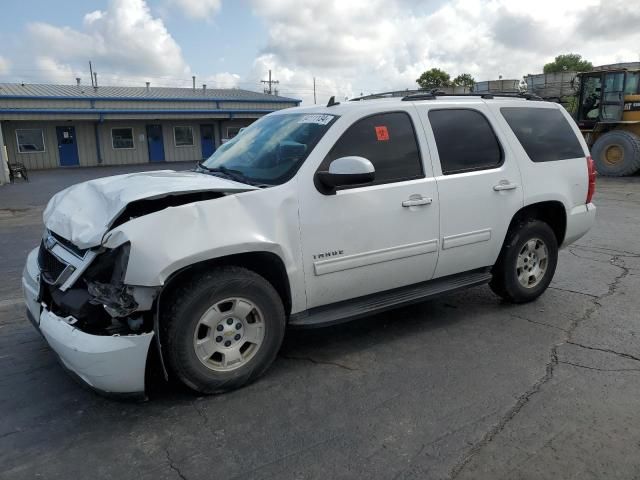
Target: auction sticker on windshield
(319,119)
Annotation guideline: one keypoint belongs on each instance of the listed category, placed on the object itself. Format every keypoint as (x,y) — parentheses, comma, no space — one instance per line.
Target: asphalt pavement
(462,387)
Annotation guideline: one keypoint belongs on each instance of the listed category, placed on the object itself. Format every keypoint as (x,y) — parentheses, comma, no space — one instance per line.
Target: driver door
(366,239)
(613,97)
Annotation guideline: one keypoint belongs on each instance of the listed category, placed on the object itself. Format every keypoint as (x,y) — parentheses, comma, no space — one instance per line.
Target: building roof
(62,92)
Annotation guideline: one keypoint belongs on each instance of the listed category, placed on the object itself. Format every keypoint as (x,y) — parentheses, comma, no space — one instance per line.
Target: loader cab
(607,97)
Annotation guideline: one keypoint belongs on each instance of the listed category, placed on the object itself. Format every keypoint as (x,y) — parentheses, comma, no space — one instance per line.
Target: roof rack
(434,94)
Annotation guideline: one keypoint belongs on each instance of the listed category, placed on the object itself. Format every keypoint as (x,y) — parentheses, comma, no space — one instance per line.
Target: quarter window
(122,138)
(30,140)
(183,136)
(388,141)
(465,140)
(544,133)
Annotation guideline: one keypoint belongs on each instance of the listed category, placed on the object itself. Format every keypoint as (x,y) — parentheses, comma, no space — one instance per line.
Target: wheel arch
(266,264)
(551,212)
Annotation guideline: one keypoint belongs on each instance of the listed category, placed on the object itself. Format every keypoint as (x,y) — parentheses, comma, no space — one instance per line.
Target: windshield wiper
(230,173)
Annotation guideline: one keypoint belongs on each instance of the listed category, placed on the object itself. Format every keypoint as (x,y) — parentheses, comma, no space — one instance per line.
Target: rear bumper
(113,365)
(579,221)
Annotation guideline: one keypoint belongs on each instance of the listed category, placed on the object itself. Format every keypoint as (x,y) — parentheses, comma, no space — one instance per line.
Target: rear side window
(544,133)
(388,141)
(465,140)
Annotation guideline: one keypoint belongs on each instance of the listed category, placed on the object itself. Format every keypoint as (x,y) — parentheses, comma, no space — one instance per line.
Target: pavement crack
(628,356)
(173,466)
(579,365)
(574,291)
(548,375)
(606,250)
(319,362)
(8,434)
(201,412)
(538,323)
(511,413)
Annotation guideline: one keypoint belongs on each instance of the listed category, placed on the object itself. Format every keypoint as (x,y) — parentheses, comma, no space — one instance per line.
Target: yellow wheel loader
(609,117)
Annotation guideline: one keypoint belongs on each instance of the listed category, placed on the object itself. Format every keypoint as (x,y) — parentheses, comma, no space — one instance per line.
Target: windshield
(271,150)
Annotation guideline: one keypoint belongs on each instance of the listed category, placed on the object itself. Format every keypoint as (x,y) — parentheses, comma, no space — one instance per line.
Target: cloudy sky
(350,46)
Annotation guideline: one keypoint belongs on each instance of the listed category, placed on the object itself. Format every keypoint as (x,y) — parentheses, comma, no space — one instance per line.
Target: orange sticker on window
(382,134)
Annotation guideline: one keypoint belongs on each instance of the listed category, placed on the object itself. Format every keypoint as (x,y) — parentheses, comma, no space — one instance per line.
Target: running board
(346,310)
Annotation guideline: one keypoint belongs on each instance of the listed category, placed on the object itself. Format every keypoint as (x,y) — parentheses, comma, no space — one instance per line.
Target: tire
(617,153)
(515,261)
(208,308)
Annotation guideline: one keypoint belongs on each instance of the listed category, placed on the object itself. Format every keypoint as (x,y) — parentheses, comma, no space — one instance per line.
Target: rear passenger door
(479,185)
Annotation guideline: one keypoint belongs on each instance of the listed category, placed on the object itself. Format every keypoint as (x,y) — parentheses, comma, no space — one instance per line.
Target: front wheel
(527,262)
(223,329)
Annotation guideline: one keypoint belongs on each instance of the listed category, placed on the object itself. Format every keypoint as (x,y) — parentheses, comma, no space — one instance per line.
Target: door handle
(505,185)
(416,201)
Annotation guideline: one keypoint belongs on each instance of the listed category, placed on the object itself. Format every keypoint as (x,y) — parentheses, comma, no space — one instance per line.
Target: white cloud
(197,9)
(222,80)
(124,41)
(4,65)
(376,45)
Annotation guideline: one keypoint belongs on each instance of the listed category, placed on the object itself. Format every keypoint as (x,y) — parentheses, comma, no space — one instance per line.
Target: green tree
(464,80)
(569,62)
(434,78)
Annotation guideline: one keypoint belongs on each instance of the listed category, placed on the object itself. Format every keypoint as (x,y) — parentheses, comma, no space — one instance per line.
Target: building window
(122,138)
(183,136)
(30,140)
(233,131)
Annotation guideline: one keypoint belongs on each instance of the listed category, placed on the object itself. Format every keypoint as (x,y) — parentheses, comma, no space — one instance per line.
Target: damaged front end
(100,327)
(97,297)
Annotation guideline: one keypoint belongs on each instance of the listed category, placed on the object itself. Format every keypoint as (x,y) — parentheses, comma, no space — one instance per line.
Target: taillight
(591,168)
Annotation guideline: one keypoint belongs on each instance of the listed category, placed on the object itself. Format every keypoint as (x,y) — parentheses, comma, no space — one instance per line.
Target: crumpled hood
(84,212)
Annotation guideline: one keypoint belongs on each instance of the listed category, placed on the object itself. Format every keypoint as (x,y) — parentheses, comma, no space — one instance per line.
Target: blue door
(67,148)
(207,141)
(155,143)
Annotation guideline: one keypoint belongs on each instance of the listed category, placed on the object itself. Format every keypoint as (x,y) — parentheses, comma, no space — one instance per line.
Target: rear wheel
(527,262)
(617,153)
(223,329)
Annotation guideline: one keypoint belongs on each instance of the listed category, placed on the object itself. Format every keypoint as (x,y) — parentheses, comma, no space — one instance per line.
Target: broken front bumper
(111,364)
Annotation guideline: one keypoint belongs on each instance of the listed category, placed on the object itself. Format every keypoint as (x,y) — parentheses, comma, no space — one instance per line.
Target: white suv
(311,216)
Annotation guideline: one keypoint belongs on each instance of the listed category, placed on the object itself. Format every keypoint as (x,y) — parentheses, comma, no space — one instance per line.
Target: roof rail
(434,94)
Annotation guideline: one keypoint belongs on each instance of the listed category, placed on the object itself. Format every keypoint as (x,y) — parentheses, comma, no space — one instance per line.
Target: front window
(30,140)
(271,150)
(183,136)
(122,138)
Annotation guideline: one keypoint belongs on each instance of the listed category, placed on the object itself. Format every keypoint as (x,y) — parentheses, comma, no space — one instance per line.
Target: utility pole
(314,90)
(269,82)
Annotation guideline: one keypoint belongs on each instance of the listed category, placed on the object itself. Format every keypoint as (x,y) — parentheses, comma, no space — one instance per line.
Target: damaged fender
(166,241)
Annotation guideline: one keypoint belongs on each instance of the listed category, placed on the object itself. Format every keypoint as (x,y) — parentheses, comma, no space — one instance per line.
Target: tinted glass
(632,83)
(271,150)
(544,133)
(387,140)
(465,140)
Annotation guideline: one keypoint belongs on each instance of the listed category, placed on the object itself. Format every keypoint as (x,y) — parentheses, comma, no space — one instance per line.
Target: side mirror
(345,171)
